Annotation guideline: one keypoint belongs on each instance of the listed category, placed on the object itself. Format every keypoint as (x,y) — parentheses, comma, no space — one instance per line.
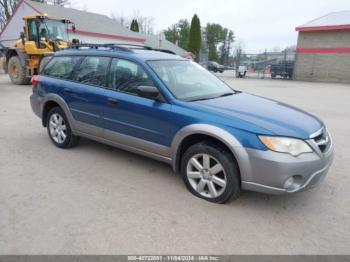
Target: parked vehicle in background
(282,69)
(173,110)
(215,67)
(242,71)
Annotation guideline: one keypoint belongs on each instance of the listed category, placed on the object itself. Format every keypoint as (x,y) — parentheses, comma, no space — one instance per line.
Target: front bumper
(269,170)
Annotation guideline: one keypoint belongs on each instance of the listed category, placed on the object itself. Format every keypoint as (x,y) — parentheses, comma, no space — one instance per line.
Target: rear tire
(59,129)
(210,172)
(17,72)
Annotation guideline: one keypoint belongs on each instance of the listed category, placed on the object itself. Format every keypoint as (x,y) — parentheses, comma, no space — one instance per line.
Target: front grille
(323,140)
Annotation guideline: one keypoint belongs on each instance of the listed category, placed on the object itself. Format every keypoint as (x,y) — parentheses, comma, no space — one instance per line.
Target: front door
(133,120)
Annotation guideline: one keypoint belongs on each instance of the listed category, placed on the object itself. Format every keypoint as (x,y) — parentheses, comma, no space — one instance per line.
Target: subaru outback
(171,109)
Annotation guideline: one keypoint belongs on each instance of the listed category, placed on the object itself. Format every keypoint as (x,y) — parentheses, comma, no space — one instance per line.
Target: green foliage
(226,45)
(179,33)
(134,26)
(219,39)
(184,33)
(216,34)
(172,34)
(195,38)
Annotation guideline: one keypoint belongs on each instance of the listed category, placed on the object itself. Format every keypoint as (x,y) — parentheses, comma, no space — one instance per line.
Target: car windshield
(189,81)
(53,29)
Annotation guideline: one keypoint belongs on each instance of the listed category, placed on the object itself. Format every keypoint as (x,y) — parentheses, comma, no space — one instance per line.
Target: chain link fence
(265,65)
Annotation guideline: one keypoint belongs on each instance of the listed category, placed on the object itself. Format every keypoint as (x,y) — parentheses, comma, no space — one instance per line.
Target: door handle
(68,90)
(112,101)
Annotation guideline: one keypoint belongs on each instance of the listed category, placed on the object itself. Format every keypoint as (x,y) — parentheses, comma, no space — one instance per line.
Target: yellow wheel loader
(42,37)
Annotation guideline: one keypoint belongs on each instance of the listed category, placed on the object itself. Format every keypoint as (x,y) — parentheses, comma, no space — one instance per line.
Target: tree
(184,33)
(225,49)
(195,37)
(134,26)
(215,35)
(179,33)
(61,2)
(6,10)
(145,23)
(172,34)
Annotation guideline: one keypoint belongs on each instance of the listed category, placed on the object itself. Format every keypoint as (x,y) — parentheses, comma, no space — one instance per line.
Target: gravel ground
(94,199)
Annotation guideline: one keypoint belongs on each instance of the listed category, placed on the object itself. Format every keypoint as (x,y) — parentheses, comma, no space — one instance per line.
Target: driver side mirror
(150,92)
(74,28)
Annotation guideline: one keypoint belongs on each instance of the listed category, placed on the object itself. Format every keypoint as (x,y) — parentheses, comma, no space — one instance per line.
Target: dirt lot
(97,200)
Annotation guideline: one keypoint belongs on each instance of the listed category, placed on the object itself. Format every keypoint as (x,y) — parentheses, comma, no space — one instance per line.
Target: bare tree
(60,2)
(121,19)
(146,23)
(6,10)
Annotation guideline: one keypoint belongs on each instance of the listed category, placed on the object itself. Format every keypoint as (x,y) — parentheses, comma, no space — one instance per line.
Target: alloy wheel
(58,128)
(206,175)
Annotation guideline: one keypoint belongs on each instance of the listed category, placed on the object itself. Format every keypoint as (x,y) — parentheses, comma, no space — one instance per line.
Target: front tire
(17,72)
(210,172)
(59,129)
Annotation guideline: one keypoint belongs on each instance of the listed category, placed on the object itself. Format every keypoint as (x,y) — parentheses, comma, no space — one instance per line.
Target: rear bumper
(35,102)
(270,171)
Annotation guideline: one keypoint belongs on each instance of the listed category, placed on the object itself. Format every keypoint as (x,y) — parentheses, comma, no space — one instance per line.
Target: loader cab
(42,30)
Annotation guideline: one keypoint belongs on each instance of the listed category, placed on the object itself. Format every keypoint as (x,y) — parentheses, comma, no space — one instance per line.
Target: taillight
(35,81)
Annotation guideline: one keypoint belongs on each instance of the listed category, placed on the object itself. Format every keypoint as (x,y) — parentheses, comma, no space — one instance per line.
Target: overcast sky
(258,24)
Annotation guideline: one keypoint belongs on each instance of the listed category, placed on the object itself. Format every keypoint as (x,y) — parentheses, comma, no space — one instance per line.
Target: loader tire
(17,72)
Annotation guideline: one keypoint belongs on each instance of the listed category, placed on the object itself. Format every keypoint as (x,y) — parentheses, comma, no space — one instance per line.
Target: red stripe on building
(323,50)
(322,28)
(118,37)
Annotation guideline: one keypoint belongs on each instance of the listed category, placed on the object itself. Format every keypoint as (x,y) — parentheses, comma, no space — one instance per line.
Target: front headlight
(289,145)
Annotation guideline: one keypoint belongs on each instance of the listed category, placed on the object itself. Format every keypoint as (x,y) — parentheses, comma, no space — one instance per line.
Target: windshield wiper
(200,99)
(225,94)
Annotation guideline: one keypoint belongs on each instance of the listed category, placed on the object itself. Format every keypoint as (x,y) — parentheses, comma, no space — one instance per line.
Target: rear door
(85,94)
(137,121)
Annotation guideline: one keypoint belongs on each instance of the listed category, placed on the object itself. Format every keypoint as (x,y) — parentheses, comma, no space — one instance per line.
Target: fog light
(289,183)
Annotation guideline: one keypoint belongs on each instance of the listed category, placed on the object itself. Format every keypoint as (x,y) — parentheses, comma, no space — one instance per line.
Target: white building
(90,27)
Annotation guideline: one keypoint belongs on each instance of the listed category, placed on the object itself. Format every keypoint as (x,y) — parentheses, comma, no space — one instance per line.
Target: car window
(61,66)
(127,76)
(189,81)
(93,71)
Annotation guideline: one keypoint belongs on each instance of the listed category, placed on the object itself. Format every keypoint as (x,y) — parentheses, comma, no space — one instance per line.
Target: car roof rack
(97,46)
(133,46)
(119,47)
(165,51)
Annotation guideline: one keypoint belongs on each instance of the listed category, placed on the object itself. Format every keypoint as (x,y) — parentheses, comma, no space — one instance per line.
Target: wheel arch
(53,100)
(198,132)
(16,52)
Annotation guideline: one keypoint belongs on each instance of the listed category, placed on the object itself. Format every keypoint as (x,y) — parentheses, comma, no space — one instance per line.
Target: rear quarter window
(61,67)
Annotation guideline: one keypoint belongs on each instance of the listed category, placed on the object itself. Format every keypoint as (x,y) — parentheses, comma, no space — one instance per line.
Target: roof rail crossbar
(97,46)
(135,46)
(165,51)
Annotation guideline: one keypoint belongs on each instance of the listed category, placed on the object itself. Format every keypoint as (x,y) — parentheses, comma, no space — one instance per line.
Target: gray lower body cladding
(261,171)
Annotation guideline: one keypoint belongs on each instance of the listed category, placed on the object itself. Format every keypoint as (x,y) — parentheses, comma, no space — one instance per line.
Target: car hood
(278,118)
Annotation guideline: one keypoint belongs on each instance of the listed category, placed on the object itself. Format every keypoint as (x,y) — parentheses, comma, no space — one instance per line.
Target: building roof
(332,21)
(98,25)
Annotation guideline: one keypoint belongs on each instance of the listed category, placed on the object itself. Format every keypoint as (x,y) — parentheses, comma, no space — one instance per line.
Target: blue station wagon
(171,109)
